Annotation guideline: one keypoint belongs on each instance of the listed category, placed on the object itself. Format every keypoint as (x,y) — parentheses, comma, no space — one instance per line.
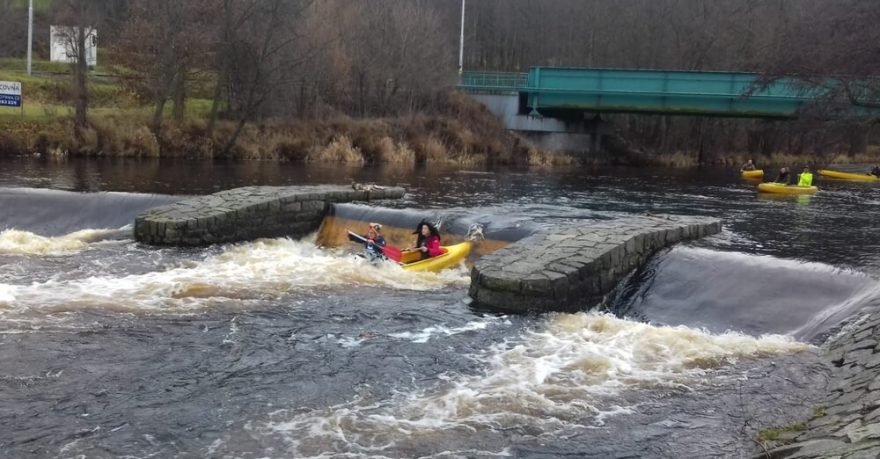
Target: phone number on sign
(10,101)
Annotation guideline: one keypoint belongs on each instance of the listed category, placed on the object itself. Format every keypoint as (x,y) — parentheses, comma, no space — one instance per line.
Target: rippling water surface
(297,348)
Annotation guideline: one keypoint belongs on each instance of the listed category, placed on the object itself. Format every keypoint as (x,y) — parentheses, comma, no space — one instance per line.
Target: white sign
(63,45)
(10,94)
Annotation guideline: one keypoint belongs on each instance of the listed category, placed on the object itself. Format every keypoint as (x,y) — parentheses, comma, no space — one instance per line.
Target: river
(297,348)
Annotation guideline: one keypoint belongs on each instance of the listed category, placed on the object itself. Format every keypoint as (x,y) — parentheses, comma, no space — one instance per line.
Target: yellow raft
(779,188)
(412,261)
(758,173)
(848,176)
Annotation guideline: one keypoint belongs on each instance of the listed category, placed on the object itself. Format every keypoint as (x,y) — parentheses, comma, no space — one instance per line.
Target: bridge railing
(676,92)
(493,81)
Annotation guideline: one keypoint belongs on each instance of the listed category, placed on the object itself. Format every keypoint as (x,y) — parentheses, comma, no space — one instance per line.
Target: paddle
(390,252)
(393,253)
(354,237)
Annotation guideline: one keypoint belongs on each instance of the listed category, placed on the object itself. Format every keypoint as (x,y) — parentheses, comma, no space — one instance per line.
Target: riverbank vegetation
(373,81)
(456,130)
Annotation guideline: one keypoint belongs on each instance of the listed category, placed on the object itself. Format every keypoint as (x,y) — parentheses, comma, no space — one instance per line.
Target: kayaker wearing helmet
(375,242)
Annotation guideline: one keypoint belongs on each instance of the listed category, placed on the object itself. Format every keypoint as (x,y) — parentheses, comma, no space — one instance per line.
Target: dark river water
(297,348)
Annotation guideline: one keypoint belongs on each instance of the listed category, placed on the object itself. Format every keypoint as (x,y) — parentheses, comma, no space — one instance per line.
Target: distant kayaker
(428,240)
(749,166)
(805,178)
(784,177)
(876,171)
(375,242)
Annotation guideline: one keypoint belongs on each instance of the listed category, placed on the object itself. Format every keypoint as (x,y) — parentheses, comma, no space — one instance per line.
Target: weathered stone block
(338,196)
(870,431)
(292,206)
(499,300)
(537,283)
(500,282)
(312,205)
(859,355)
(607,281)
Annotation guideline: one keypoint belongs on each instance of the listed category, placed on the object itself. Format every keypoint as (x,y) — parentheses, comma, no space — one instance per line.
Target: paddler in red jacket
(428,240)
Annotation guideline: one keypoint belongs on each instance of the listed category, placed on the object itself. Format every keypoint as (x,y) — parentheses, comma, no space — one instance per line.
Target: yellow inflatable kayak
(758,173)
(779,188)
(848,176)
(412,261)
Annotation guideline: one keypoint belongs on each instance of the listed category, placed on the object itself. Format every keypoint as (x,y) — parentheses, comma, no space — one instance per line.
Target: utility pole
(30,34)
(461,43)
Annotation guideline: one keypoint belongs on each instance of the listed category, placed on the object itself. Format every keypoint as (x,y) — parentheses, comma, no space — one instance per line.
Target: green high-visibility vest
(806,179)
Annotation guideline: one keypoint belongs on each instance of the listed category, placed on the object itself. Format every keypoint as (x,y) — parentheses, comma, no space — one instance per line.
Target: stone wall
(847,423)
(571,267)
(248,213)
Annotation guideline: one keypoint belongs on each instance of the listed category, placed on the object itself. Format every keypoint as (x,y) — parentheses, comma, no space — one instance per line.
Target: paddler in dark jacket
(784,177)
(375,242)
(875,171)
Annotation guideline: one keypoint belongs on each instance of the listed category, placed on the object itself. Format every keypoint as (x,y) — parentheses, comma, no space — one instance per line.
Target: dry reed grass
(546,159)
(793,160)
(677,159)
(394,152)
(340,150)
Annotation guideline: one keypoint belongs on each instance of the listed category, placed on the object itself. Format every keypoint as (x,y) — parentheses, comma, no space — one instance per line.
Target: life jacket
(806,179)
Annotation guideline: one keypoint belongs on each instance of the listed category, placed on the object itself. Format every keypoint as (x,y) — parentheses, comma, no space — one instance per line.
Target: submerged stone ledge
(247,213)
(569,268)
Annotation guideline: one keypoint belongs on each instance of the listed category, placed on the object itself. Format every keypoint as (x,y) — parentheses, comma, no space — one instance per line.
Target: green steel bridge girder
(726,94)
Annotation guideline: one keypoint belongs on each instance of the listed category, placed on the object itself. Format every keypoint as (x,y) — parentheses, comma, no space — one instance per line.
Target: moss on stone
(773,434)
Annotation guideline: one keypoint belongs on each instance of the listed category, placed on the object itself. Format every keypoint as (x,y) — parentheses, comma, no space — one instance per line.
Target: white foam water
(562,377)
(256,270)
(15,242)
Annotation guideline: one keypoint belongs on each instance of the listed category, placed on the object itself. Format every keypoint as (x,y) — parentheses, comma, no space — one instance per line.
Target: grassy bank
(457,131)
(461,133)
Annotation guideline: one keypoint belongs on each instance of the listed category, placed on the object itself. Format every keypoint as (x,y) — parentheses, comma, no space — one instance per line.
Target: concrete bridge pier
(579,133)
(583,138)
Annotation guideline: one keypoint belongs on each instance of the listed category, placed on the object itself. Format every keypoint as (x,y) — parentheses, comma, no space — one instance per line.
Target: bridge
(559,109)
(571,92)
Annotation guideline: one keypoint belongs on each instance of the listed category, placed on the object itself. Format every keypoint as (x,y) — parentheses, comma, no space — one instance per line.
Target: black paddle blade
(354,237)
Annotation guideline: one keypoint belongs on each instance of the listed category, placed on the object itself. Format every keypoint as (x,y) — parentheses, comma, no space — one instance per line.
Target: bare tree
(12,23)
(164,40)
(81,19)
(259,54)
(387,53)
(836,50)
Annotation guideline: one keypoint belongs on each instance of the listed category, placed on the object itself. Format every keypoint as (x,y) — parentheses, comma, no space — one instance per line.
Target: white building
(62,41)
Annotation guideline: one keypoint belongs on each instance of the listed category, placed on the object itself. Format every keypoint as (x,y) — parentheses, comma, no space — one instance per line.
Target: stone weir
(248,213)
(571,267)
(847,423)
